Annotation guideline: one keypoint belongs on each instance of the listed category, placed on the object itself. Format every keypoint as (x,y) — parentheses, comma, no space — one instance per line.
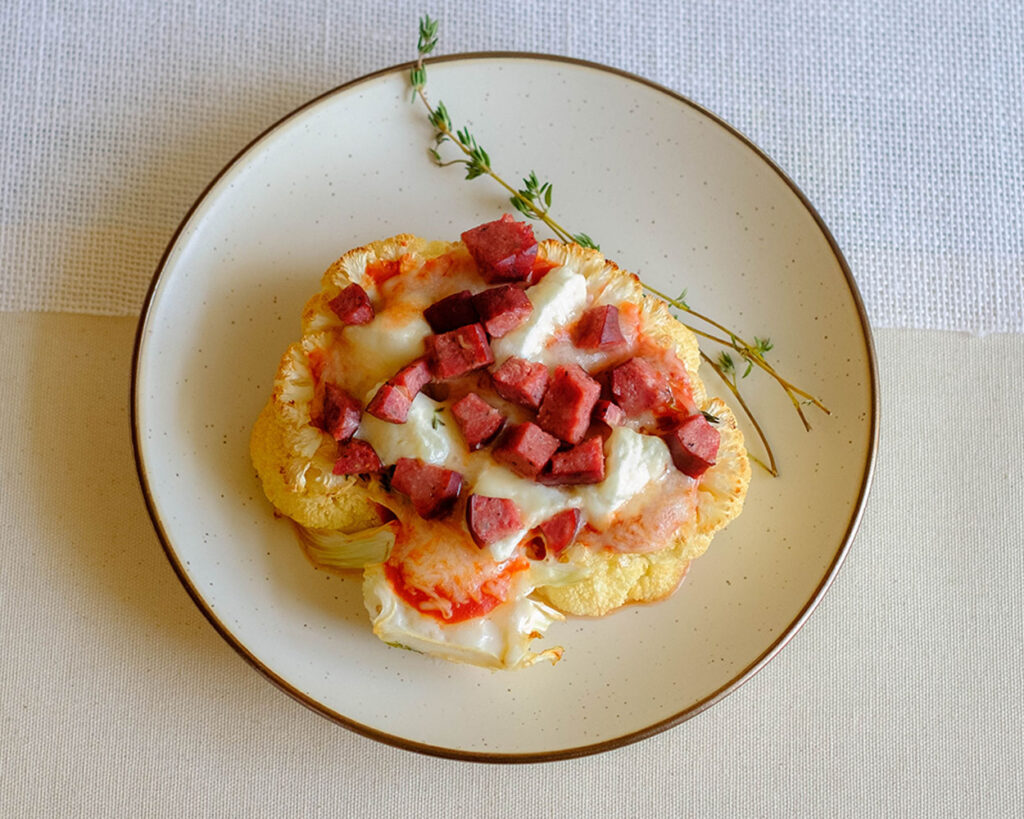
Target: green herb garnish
(533,200)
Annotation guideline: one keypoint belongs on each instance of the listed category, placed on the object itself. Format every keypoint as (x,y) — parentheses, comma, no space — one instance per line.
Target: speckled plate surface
(671,193)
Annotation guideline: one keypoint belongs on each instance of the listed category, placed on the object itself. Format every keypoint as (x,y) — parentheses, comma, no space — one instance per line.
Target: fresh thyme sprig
(533,200)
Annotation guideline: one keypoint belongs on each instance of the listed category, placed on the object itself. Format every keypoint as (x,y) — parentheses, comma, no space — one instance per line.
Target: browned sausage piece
(521,381)
(598,329)
(356,457)
(502,309)
(390,403)
(693,445)
(433,490)
(565,410)
(525,449)
(341,412)
(450,312)
(491,519)
(478,421)
(561,529)
(637,386)
(608,413)
(459,351)
(412,377)
(584,463)
(504,249)
(352,305)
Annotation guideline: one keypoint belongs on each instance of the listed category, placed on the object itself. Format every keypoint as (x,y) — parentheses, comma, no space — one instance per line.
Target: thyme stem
(771,468)
(485,168)
(527,201)
(749,352)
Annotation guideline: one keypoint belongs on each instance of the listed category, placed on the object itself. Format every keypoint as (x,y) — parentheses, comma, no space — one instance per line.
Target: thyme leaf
(534,200)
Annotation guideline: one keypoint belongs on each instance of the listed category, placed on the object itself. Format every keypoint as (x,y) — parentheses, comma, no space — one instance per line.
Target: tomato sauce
(484,592)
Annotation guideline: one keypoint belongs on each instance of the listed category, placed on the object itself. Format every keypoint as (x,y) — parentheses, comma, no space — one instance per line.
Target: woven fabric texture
(903,695)
(903,124)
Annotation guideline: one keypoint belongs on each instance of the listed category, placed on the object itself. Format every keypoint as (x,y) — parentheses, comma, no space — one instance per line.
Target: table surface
(902,694)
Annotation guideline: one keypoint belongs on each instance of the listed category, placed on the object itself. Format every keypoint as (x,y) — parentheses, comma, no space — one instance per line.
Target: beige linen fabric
(902,696)
(903,126)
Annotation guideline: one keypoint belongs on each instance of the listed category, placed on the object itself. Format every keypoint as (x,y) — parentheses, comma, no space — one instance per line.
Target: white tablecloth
(903,123)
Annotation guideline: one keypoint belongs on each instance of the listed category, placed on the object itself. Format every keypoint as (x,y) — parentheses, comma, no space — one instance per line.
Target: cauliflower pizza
(497,432)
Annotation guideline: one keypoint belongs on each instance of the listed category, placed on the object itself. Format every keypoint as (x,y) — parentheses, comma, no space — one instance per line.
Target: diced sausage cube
(432,489)
(693,445)
(492,519)
(352,305)
(504,249)
(525,449)
(637,386)
(393,400)
(356,457)
(598,329)
(608,413)
(340,413)
(390,403)
(453,311)
(584,463)
(568,402)
(560,530)
(521,381)
(502,309)
(412,377)
(459,351)
(478,421)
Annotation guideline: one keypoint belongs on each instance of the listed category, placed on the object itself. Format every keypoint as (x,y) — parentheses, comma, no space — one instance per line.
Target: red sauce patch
(380,271)
(492,594)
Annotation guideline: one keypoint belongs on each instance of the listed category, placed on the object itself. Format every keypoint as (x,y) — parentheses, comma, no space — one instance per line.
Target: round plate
(671,193)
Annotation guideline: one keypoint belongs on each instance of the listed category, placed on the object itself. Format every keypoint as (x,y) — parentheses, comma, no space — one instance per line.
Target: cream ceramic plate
(671,193)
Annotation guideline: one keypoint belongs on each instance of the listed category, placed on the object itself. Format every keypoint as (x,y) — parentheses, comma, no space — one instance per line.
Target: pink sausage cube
(693,445)
(433,490)
(584,463)
(521,381)
(525,449)
(608,413)
(565,410)
(561,529)
(352,305)
(341,413)
(504,249)
(492,519)
(502,309)
(391,404)
(598,329)
(459,351)
(356,457)
(478,421)
(637,386)
(412,377)
(450,312)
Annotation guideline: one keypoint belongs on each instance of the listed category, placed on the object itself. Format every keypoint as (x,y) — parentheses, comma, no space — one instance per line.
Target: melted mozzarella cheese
(558,300)
(536,503)
(498,639)
(423,435)
(379,349)
(634,460)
